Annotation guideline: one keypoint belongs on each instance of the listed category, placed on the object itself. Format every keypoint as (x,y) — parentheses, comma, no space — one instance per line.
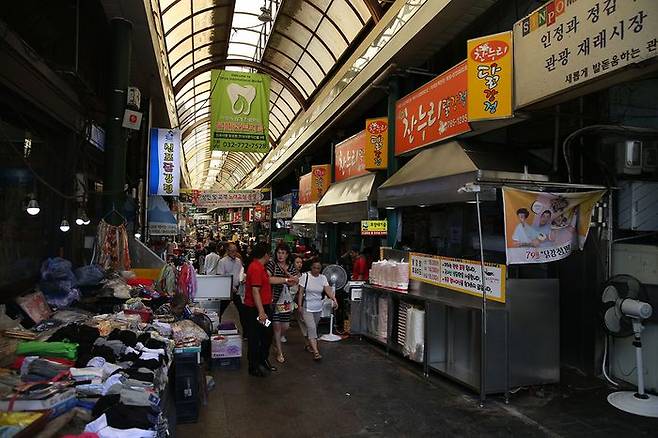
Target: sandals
(280,358)
(308,348)
(317,356)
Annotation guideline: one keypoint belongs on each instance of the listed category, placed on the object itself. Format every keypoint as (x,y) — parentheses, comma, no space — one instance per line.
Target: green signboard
(239,111)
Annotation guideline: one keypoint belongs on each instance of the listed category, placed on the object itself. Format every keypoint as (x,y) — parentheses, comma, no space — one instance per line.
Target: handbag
(284,303)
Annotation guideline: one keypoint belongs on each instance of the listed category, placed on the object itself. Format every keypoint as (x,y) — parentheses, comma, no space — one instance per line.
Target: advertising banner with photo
(211,200)
(349,157)
(305,191)
(434,112)
(567,43)
(161,221)
(239,111)
(164,162)
(490,77)
(544,227)
(282,208)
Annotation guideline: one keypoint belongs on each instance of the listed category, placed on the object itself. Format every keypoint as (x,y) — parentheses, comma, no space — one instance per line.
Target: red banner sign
(349,157)
(305,191)
(434,112)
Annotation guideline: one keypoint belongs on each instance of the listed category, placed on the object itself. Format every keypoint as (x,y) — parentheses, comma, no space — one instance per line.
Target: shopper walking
(211,261)
(231,265)
(298,264)
(258,305)
(281,267)
(311,286)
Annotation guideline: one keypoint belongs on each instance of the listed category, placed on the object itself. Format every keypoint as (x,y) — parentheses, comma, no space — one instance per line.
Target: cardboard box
(226,346)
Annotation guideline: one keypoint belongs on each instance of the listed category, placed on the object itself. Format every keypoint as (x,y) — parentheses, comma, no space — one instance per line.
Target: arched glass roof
(299,49)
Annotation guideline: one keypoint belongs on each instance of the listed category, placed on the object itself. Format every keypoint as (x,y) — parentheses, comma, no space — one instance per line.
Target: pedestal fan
(337,278)
(623,313)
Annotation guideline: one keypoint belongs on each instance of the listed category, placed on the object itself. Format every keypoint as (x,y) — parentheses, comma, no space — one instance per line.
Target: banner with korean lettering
(490,77)
(374,228)
(460,275)
(320,181)
(349,157)
(222,198)
(434,112)
(164,162)
(376,148)
(544,227)
(566,43)
(239,111)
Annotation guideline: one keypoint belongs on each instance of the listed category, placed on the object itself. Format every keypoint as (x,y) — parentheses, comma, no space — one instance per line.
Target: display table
(522,336)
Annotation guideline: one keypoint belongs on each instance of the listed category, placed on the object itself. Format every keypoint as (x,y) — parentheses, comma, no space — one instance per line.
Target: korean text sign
(490,76)
(239,111)
(376,153)
(543,227)
(566,43)
(224,198)
(349,157)
(164,162)
(374,228)
(305,192)
(436,111)
(320,181)
(460,275)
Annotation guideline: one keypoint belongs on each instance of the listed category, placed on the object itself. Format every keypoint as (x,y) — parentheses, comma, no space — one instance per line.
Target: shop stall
(490,342)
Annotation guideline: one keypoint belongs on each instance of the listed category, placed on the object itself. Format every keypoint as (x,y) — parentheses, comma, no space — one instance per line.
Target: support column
(393,95)
(115,134)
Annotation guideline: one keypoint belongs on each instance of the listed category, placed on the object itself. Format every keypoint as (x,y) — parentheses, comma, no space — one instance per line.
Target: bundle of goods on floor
(65,368)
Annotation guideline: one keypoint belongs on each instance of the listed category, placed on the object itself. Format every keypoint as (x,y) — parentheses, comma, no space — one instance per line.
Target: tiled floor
(358,391)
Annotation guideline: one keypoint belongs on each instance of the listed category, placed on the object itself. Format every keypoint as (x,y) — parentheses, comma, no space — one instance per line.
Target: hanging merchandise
(187,281)
(166,282)
(112,247)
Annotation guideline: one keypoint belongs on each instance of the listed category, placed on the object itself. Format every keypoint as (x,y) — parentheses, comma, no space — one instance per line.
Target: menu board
(459,275)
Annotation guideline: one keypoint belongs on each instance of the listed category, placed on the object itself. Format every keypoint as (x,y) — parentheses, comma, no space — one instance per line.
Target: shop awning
(306,215)
(435,175)
(348,201)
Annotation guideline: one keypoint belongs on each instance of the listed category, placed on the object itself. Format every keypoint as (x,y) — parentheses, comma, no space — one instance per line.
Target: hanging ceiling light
(64,226)
(33,207)
(265,15)
(82,218)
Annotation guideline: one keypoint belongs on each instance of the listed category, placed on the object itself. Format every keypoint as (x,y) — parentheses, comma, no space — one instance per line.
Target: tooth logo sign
(241,97)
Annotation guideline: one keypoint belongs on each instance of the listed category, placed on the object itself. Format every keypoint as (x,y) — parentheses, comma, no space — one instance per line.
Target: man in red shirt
(361,266)
(258,305)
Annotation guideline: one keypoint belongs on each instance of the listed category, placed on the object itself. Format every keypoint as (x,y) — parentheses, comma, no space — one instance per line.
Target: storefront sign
(164,162)
(434,112)
(305,191)
(459,275)
(567,43)
(224,199)
(374,228)
(282,207)
(349,157)
(239,111)
(376,149)
(544,227)
(320,181)
(490,77)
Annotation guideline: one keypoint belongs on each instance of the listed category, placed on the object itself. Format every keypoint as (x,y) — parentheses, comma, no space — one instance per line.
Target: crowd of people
(272,290)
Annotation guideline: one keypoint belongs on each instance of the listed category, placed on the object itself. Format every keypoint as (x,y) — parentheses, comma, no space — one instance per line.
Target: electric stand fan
(623,313)
(337,278)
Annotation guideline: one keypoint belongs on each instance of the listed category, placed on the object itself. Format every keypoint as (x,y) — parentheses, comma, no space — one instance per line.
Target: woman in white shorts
(309,298)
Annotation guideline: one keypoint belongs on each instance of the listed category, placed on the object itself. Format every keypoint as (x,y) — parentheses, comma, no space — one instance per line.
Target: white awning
(306,215)
(349,200)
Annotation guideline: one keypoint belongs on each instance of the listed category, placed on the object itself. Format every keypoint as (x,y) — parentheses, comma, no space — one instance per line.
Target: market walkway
(358,391)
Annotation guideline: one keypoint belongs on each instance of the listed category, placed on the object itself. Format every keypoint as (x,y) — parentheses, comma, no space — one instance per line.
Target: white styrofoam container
(226,346)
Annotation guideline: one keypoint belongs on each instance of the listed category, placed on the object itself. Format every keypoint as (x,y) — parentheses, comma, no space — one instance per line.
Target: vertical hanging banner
(376,149)
(349,157)
(490,77)
(434,112)
(164,162)
(239,111)
(305,191)
(544,227)
(320,181)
